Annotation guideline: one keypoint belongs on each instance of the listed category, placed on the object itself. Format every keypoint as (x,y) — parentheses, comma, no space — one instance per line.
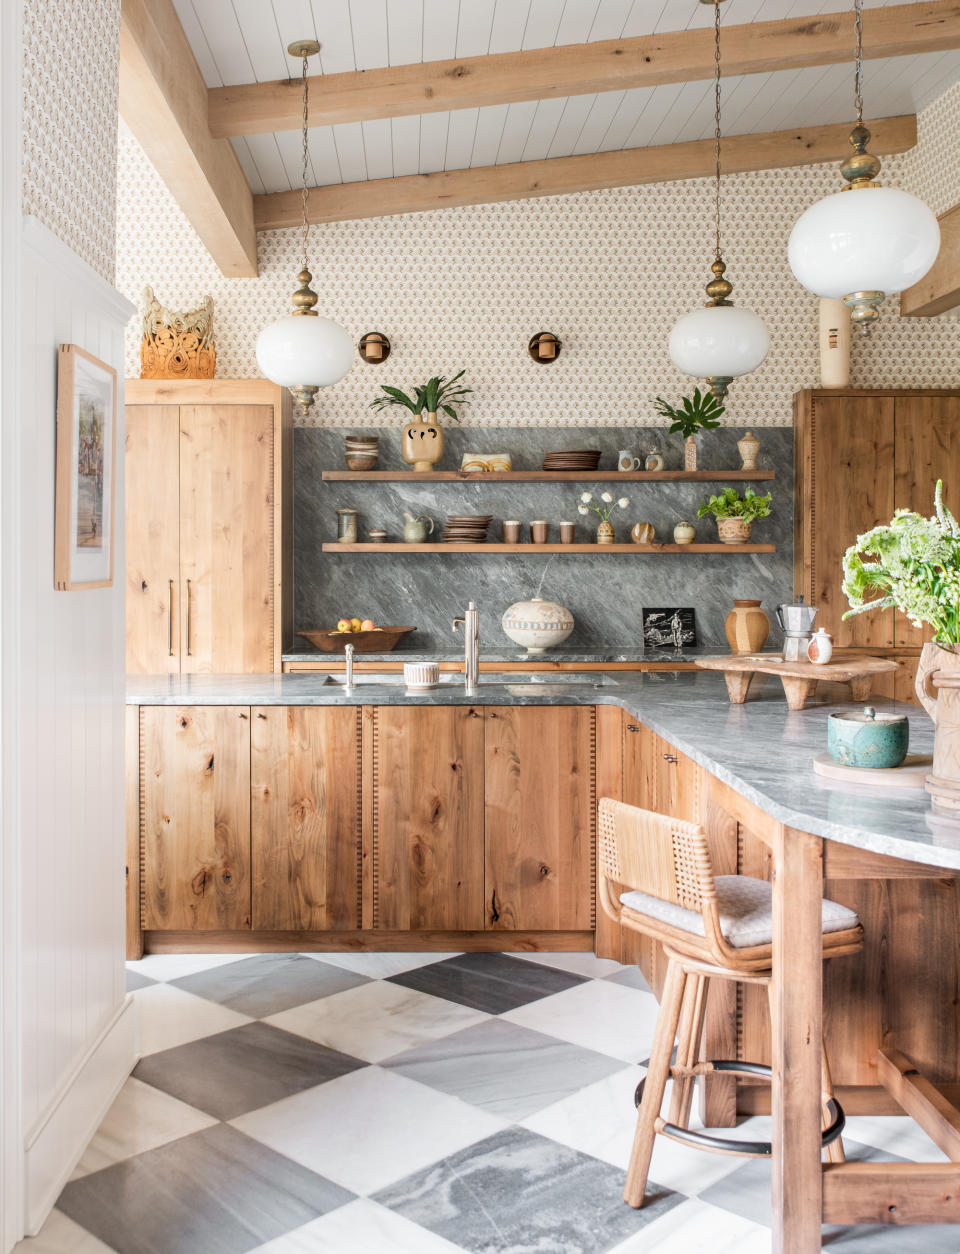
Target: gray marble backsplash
(604,593)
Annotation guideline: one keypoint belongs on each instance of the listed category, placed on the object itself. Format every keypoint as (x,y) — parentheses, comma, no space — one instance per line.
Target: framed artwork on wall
(673,627)
(86,459)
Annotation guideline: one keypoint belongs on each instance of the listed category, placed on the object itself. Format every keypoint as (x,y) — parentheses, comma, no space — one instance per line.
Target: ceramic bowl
(868,738)
(421,675)
(537,625)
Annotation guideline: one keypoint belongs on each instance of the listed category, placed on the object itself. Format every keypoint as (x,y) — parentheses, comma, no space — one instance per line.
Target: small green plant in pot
(735,514)
(700,412)
(422,439)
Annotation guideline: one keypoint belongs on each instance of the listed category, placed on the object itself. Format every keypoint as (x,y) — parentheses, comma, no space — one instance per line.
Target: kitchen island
(278,812)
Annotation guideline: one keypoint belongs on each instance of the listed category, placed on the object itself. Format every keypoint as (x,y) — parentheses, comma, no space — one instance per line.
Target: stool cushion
(746,911)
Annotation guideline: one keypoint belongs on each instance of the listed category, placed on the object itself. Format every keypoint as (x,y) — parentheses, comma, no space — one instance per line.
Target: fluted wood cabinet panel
(844,486)
(305,817)
(195,817)
(540,812)
(153,539)
(226,538)
(427,818)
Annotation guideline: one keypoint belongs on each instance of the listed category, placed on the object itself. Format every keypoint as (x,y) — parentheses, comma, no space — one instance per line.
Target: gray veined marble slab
(761,749)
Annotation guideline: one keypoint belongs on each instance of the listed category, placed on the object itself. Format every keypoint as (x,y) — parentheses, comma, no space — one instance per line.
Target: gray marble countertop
(511,653)
(761,749)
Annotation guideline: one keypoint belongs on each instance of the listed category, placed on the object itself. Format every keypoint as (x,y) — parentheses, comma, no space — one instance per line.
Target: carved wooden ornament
(177,345)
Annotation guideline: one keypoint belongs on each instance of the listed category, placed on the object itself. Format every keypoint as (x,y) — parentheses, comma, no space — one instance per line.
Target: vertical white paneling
(323,155)
(71,671)
(460,137)
(543,129)
(331,20)
(433,141)
(227,45)
(378,149)
(266,153)
(576,21)
(474,26)
(261,38)
(491,120)
(405,137)
(597,122)
(440,29)
(348,137)
(405,31)
(509,23)
(368,20)
(516,128)
(576,110)
(610,19)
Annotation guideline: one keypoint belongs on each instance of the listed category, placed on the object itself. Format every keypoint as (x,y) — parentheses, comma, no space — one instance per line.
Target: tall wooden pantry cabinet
(209,525)
(859,456)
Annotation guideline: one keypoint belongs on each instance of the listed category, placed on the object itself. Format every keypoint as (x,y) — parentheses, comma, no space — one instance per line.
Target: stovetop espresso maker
(796,623)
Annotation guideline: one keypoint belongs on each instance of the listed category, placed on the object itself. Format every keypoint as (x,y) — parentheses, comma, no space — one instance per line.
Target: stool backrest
(655,854)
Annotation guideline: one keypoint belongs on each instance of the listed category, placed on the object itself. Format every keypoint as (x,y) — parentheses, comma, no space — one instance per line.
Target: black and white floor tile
(411,1104)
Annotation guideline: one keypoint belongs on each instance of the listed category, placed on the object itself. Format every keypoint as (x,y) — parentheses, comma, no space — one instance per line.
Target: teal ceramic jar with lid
(868,738)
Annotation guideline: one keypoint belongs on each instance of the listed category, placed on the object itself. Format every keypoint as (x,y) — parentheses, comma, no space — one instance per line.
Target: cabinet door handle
(189,607)
(170,621)
(632,727)
(670,757)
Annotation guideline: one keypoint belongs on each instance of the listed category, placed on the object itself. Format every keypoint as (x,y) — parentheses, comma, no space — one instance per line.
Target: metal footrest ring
(731,1145)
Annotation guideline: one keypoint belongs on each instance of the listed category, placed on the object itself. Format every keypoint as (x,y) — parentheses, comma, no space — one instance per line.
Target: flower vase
(690,453)
(748,447)
(422,442)
(938,687)
(605,533)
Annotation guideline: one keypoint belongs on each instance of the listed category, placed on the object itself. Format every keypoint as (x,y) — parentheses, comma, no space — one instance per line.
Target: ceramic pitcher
(416,530)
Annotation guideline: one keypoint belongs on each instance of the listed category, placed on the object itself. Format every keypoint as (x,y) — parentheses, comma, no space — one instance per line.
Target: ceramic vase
(422,442)
(834,344)
(749,447)
(684,533)
(643,533)
(537,624)
(733,530)
(690,453)
(747,627)
(605,534)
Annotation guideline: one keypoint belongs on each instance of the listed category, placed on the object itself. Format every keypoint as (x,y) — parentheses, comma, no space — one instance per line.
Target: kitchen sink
(545,681)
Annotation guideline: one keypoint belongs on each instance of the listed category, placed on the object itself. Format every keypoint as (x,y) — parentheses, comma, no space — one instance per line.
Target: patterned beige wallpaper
(607,271)
(70,54)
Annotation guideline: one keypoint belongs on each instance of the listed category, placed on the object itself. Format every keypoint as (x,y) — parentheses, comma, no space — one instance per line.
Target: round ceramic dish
(421,675)
(868,738)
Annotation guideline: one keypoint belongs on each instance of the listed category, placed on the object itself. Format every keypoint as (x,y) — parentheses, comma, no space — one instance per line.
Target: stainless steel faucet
(470,622)
(348,678)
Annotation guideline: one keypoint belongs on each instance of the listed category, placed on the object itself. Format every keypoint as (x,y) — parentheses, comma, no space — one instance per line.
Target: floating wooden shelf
(640,550)
(550,476)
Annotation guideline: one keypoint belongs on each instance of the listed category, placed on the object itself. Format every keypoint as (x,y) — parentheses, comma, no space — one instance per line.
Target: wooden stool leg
(656,1081)
(689,1035)
(834,1151)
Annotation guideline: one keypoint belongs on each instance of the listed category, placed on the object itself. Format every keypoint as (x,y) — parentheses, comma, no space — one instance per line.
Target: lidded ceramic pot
(684,532)
(868,738)
(537,625)
(747,627)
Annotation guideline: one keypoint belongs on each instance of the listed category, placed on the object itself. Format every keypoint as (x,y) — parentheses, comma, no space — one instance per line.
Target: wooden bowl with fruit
(363,634)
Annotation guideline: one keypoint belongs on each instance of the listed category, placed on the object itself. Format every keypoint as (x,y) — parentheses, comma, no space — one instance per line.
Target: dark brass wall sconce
(374,348)
(544,347)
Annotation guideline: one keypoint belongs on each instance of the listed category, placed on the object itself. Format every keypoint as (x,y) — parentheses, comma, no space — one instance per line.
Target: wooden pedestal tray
(799,679)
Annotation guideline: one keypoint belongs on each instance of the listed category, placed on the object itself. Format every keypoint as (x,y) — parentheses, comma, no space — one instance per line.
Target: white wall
(77,1027)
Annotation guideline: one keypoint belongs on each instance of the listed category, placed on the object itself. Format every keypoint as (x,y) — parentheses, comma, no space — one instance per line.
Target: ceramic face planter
(422,443)
(537,625)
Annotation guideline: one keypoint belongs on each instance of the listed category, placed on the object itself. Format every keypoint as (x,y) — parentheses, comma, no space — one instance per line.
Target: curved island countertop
(761,749)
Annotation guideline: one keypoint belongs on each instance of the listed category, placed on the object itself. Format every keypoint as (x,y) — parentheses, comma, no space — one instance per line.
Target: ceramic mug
(626,460)
(539,529)
(566,532)
(511,531)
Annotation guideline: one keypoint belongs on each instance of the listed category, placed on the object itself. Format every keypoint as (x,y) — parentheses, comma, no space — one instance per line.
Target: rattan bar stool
(710,928)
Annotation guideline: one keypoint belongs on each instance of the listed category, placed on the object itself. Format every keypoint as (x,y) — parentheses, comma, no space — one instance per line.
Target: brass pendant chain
(305,190)
(716,113)
(858,76)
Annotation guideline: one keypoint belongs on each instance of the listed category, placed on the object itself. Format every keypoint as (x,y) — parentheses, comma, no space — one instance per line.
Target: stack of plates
(466,528)
(361,451)
(572,459)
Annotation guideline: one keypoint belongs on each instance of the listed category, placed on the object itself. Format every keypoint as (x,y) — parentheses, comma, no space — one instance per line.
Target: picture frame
(85,471)
(669,627)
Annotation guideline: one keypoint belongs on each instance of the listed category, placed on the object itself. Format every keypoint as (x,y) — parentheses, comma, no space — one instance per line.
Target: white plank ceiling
(242,41)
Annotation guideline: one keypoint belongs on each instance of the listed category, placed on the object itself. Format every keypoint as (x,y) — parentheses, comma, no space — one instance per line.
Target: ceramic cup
(566,532)
(539,529)
(511,532)
(421,674)
(627,461)
(377,535)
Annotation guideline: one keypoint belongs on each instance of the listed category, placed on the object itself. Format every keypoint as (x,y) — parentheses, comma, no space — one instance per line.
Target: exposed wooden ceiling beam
(555,176)
(581,69)
(163,99)
(939,290)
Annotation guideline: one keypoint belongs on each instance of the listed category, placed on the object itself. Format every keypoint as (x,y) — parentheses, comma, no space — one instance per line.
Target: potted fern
(700,412)
(422,438)
(735,514)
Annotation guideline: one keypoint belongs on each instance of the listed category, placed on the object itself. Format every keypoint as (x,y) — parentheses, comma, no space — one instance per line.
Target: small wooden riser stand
(797,691)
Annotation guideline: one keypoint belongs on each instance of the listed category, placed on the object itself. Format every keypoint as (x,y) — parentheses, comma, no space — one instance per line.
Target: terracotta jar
(422,442)
(733,530)
(747,627)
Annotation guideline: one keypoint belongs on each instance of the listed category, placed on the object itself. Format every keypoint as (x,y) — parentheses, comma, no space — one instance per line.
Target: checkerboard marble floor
(410,1104)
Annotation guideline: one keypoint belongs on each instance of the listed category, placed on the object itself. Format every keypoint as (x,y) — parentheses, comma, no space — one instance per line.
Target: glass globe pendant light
(865,241)
(302,351)
(719,342)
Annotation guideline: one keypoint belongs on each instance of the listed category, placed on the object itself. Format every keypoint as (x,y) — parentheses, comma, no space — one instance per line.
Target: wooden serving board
(911,773)
(799,679)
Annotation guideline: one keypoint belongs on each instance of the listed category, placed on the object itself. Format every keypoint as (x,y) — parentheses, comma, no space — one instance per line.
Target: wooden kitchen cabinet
(195,817)
(427,817)
(305,786)
(208,526)
(540,817)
